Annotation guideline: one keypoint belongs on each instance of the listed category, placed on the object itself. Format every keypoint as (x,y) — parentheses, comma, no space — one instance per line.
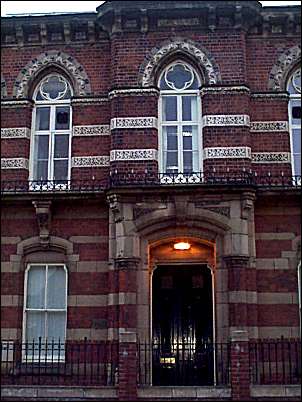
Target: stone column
(127,327)
(238,279)
(240,370)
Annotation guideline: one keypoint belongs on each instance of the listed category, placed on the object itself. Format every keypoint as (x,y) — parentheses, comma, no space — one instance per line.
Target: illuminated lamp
(182,246)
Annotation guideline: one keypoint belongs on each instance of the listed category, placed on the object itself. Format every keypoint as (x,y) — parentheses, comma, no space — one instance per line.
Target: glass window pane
(189,108)
(56,287)
(296,135)
(62,118)
(61,146)
(41,146)
(61,170)
(56,322)
(187,143)
(195,161)
(172,159)
(195,138)
(297,164)
(54,87)
(172,142)
(42,118)
(179,76)
(187,156)
(36,287)
(40,170)
(296,112)
(169,108)
(35,326)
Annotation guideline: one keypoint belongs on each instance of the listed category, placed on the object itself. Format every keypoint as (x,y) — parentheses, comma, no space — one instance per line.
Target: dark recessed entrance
(182,326)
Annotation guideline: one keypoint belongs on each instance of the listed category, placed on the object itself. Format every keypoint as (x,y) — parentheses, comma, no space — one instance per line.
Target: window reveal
(180,120)
(45,307)
(294,89)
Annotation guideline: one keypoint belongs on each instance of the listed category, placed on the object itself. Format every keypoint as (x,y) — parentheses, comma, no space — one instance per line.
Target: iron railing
(148,179)
(60,186)
(184,363)
(275,361)
(204,178)
(54,363)
(95,363)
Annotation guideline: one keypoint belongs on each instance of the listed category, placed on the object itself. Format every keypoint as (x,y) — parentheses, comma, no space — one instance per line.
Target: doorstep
(183,393)
(279,391)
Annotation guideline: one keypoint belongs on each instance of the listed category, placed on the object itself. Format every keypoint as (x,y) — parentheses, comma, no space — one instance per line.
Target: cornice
(50,29)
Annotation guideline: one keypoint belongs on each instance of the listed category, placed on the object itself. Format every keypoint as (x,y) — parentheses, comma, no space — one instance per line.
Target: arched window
(45,308)
(180,120)
(50,154)
(294,89)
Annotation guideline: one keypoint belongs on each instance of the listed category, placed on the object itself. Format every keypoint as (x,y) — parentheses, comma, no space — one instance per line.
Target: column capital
(126,263)
(236,259)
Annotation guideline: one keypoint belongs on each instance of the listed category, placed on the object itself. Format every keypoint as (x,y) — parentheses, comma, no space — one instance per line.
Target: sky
(31,7)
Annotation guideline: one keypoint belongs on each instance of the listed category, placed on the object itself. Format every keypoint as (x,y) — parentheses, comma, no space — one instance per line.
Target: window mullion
(180,142)
(52,140)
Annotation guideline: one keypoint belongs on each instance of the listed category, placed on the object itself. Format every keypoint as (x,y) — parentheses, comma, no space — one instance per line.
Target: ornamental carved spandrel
(90,161)
(227,152)
(213,206)
(133,122)
(203,58)
(261,126)
(271,157)
(133,154)
(139,211)
(280,71)
(226,120)
(43,214)
(14,163)
(93,130)
(55,58)
(15,132)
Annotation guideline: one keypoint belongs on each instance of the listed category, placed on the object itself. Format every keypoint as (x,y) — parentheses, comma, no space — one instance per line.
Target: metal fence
(275,361)
(94,363)
(54,363)
(184,363)
(148,179)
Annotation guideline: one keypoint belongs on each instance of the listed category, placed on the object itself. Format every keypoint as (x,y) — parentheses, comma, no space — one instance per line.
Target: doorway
(182,325)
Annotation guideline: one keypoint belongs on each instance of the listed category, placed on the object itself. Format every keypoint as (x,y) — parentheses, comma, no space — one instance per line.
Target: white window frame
(45,357)
(180,123)
(292,126)
(52,104)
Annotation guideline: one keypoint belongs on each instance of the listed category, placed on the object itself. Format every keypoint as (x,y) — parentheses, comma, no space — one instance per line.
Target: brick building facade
(124,133)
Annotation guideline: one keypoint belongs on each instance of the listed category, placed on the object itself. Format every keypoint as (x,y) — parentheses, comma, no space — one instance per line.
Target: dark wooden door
(182,325)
